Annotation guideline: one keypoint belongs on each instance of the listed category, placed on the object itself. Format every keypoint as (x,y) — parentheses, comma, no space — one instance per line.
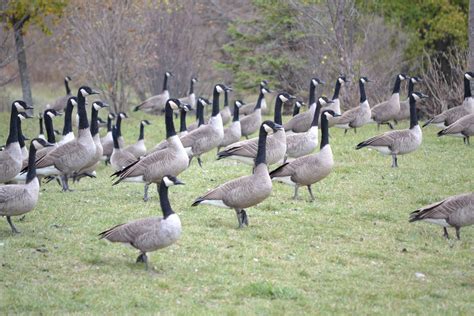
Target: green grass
(351,251)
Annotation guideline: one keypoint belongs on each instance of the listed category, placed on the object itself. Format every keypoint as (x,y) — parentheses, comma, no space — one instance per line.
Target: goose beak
(336,115)
(179,182)
(29,107)
(330,101)
(424,96)
(292,97)
(95,92)
(278,126)
(228,89)
(48,144)
(105,105)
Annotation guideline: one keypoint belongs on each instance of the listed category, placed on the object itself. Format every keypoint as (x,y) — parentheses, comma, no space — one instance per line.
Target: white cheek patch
(96,106)
(37,144)
(84,92)
(268,129)
(173,105)
(401,77)
(341,81)
(468,76)
(219,89)
(50,114)
(265,91)
(73,102)
(322,101)
(283,98)
(328,115)
(314,82)
(18,106)
(167,181)
(21,116)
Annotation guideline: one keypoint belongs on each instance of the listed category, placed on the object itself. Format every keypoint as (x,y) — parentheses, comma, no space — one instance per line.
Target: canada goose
(183,130)
(335,106)
(251,123)
(404,113)
(152,233)
(18,199)
(107,141)
(225,112)
(464,127)
(209,136)
(120,158)
(245,151)
(201,103)
(399,142)
(249,107)
(455,211)
(118,124)
(232,133)
(385,111)
(60,103)
(68,134)
(309,169)
(191,98)
(10,157)
(139,149)
(153,167)
(297,107)
(245,191)
(450,116)
(48,116)
(89,169)
(156,103)
(357,116)
(21,138)
(74,155)
(301,144)
(302,122)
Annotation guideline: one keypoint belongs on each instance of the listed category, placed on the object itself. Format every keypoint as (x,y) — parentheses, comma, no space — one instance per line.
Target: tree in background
(471,35)
(18,15)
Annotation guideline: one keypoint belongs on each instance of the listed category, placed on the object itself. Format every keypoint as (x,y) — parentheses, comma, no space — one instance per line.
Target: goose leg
(445,234)
(143,258)
(239,218)
(284,159)
(458,232)
(378,126)
(64,180)
(355,130)
(14,230)
(310,193)
(246,136)
(295,196)
(390,125)
(145,193)
(394,161)
(396,122)
(199,161)
(245,219)
(345,132)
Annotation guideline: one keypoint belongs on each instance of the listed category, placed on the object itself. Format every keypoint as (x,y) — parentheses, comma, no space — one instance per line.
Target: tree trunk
(22,65)
(471,35)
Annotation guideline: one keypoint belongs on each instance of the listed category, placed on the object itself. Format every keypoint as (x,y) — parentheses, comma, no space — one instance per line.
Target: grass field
(350,251)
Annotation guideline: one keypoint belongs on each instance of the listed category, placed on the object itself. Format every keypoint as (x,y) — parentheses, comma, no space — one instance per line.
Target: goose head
(39,143)
(169,74)
(99,105)
(285,97)
(122,115)
(469,75)
(324,100)
(101,122)
(52,113)
(239,103)
(299,103)
(72,101)
(85,91)
(364,80)
(194,79)
(23,115)
(271,127)
(316,81)
(220,88)
(145,122)
(418,96)
(416,79)
(111,116)
(403,77)
(187,107)
(265,90)
(329,113)
(263,83)
(21,105)
(67,78)
(342,79)
(174,104)
(171,180)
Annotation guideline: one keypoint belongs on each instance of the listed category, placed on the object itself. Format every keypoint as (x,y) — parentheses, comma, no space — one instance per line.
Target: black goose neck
(142,132)
(191,87)
(68,119)
(115,138)
(312,93)
(118,125)
(363,97)
(262,147)
(164,200)
(277,115)
(235,118)
(165,83)
(170,131)
(13,133)
(411,86)
(336,90)
(48,122)
(182,121)
(200,113)
(467,88)
(226,98)
(396,87)
(109,123)
(259,100)
(41,125)
(21,138)
(316,114)
(31,164)
(81,110)
(413,114)
(324,131)
(66,84)
(215,102)
(94,123)
(296,110)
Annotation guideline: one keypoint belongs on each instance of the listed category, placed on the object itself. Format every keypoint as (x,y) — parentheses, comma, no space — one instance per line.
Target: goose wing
(66,152)
(11,192)
(442,209)
(197,135)
(348,116)
(386,139)
(246,148)
(131,231)
(151,102)
(459,126)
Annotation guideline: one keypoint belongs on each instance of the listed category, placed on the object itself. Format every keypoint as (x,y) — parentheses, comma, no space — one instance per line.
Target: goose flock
(290,147)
